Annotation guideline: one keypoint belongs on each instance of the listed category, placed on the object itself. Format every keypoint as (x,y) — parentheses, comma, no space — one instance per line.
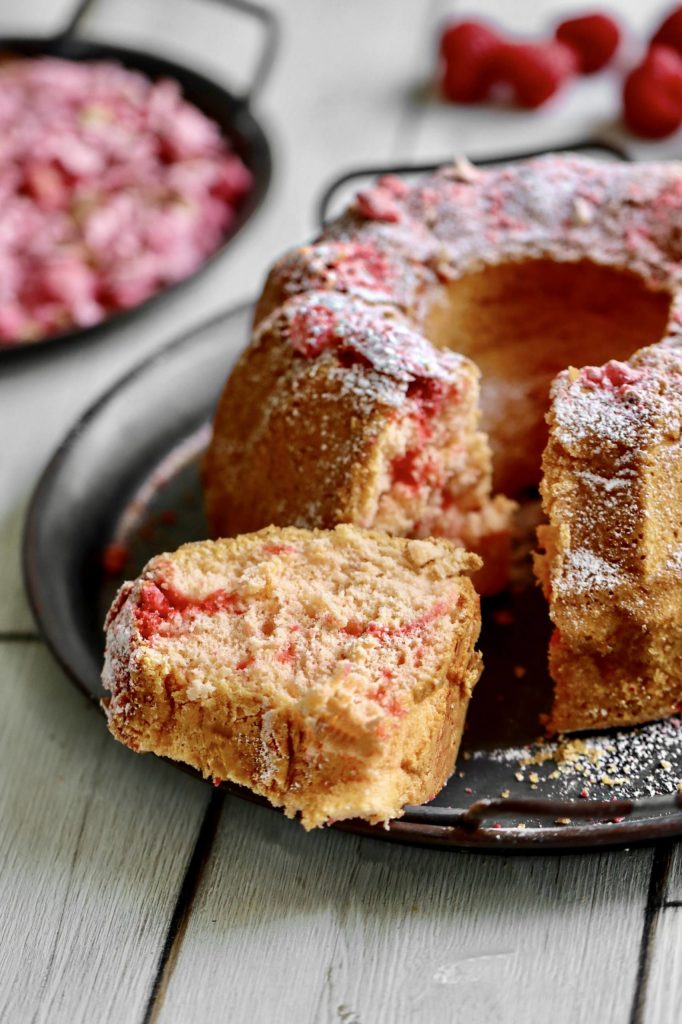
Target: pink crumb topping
(396,186)
(378,203)
(360,263)
(613,376)
(317,322)
(312,330)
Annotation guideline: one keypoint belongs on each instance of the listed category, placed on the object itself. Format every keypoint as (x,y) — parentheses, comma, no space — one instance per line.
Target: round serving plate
(124,485)
(231,112)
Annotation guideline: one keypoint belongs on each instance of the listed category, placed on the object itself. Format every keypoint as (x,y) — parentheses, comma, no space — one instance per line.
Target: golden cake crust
(612,562)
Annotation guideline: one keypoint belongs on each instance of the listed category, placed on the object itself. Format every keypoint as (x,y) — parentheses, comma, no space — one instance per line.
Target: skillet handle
(268,47)
(330,191)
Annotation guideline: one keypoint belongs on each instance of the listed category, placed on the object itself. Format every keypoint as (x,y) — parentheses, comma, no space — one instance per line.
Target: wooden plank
(93,846)
(338,928)
(35,17)
(672,891)
(14,611)
(663,998)
(257,945)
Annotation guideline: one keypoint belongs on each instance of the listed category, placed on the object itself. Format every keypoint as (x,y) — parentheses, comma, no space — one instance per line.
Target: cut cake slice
(329,671)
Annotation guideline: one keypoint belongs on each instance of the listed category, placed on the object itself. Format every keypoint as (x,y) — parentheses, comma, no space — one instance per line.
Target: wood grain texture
(93,847)
(673,888)
(14,610)
(329,927)
(663,997)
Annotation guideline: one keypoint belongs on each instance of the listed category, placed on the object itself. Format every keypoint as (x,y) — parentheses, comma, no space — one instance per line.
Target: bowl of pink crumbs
(113,188)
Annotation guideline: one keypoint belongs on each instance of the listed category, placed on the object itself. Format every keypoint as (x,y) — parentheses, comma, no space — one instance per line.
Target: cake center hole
(522,323)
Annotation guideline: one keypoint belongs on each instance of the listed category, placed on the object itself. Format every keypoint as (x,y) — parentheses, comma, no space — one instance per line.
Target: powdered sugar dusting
(639,762)
(584,571)
(383,340)
(566,207)
(584,413)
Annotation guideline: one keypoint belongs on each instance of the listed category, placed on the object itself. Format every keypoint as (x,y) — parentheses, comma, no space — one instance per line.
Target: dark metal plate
(128,474)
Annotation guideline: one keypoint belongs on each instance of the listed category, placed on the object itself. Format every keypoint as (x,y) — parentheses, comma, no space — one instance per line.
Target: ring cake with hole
(329,672)
(358,399)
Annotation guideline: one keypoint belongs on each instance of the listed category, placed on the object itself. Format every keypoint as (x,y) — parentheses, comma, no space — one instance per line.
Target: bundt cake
(327,671)
(350,404)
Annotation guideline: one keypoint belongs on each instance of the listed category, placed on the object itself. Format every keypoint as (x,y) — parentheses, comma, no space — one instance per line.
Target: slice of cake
(327,671)
(340,412)
(612,562)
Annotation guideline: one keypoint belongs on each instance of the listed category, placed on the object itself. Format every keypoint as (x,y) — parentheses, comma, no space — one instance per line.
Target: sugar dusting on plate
(642,761)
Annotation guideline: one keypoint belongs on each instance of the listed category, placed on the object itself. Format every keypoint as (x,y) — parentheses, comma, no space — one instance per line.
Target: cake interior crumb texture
(329,672)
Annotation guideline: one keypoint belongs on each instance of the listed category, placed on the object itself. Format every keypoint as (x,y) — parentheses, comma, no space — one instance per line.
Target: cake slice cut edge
(328,671)
(393,443)
(611,566)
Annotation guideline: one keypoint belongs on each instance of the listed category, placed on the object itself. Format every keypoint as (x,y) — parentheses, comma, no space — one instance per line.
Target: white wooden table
(130,892)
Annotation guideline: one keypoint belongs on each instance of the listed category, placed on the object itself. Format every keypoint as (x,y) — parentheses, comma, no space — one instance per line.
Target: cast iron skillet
(230,111)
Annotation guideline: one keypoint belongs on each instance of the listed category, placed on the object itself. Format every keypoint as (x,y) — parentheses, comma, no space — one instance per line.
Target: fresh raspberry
(466,48)
(652,95)
(670,31)
(534,71)
(594,37)
(665,65)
